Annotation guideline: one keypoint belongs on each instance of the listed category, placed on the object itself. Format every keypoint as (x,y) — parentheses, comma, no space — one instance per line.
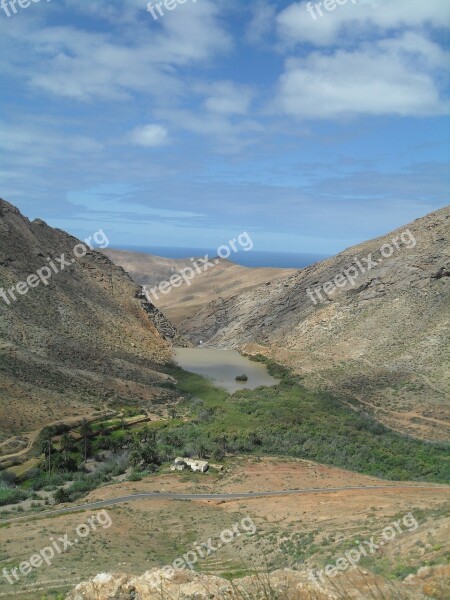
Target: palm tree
(86,433)
(66,444)
(47,447)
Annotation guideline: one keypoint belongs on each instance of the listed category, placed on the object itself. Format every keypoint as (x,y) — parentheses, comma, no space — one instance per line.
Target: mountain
(79,336)
(377,336)
(146,269)
(222,280)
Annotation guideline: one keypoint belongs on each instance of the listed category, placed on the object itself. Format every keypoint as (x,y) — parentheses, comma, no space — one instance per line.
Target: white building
(200,466)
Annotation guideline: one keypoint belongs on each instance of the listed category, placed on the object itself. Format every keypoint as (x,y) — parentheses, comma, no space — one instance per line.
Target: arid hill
(80,343)
(223,280)
(382,342)
(146,269)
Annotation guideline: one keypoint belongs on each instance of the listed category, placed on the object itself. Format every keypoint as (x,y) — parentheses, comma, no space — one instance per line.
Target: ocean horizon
(253,258)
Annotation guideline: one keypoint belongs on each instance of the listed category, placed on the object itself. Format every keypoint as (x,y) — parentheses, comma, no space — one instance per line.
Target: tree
(148,435)
(47,447)
(86,433)
(146,455)
(135,457)
(66,444)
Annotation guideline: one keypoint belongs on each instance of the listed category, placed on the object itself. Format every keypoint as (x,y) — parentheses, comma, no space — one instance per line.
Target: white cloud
(226,97)
(357,18)
(150,135)
(262,21)
(390,77)
(138,56)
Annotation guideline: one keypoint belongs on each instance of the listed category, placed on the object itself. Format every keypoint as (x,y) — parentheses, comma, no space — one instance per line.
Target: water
(222,367)
(254,258)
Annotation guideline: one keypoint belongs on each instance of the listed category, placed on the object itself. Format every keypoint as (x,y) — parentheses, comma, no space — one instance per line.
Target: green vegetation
(292,421)
(286,420)
(242,378)
(11,495)
(9,492)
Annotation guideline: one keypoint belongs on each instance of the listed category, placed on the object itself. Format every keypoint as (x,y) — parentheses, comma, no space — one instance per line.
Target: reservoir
(223,366)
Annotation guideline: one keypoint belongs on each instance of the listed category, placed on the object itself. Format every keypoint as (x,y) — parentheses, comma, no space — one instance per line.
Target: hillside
(382,342)
(146,269)
(226,279)
(81,343)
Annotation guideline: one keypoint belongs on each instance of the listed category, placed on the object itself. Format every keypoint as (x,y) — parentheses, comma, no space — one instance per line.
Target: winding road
(193,497)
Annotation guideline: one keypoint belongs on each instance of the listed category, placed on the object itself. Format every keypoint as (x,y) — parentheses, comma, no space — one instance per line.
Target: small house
(197,466)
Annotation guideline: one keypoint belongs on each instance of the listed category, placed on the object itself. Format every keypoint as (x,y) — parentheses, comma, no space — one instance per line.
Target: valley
(105,399)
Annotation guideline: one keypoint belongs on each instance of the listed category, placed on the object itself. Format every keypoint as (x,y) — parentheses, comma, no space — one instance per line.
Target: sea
(252,258)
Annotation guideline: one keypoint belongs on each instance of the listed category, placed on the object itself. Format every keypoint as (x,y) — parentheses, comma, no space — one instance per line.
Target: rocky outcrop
(283,584)
(165,327)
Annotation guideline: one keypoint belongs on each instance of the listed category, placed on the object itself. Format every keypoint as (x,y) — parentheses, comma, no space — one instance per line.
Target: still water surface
(222,367)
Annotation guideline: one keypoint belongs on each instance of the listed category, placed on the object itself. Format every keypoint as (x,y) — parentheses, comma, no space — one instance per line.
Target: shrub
(61,496)
(11,495)
(242,378)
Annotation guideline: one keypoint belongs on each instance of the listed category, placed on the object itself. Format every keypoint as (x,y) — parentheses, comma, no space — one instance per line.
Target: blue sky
(312,134)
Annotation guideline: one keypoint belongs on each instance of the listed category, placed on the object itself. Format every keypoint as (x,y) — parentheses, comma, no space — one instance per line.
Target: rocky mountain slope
(223,280)
(85,340)
(379,338)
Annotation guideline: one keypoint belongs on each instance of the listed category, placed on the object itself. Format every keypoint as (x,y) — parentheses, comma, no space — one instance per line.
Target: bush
(242,378)
(61,496)
(7,477)
(11,495)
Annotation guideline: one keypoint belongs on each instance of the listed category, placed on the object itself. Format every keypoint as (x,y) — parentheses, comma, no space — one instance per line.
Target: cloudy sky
(310,132)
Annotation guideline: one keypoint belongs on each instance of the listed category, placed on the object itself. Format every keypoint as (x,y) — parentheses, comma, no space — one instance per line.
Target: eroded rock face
(188,585)
(165,327)
(283,584)
(150,586)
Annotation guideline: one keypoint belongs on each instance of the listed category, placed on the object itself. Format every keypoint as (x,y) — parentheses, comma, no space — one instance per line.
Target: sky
(310,129)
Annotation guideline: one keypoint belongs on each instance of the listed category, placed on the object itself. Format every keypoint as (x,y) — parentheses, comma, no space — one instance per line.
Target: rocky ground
(279,585)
